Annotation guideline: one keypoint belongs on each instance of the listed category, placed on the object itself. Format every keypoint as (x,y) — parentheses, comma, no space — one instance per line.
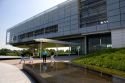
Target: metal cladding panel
(123,24)
(59,15)
(102,27)
(118,38)
(115,12)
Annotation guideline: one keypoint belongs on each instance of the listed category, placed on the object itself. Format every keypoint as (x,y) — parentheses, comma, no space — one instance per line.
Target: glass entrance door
(97,42)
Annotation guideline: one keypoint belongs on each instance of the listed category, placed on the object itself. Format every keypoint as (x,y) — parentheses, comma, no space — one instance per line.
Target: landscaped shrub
(12,54)
(106,58)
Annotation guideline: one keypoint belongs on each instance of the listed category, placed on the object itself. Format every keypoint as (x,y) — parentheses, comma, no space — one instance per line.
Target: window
(14,38)
(93,12)
(29,34)
(97,42)
(51,29)
(39,32)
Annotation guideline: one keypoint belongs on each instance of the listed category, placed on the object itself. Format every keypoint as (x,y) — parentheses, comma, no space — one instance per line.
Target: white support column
(40,49)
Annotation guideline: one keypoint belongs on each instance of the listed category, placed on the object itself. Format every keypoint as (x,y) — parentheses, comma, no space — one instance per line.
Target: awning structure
(43,40)
(43,43)
(54,43)
(46,42)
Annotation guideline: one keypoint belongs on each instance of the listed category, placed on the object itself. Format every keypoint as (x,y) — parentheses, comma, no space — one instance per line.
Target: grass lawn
(111,61)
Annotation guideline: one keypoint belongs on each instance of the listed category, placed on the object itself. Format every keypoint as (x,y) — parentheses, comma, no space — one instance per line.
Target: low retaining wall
(33,74)
(102,74)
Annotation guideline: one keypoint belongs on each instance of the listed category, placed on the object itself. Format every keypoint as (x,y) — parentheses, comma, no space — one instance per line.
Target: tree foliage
(8,52)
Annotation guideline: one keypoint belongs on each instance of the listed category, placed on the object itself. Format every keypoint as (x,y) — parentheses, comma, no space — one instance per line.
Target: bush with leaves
(106,58)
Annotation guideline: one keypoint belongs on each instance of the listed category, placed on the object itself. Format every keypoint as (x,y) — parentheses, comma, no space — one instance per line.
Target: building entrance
(97,42)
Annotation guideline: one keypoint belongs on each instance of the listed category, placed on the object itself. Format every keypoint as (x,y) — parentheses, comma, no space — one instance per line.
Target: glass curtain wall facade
(61,20)
(47,30)
(87,22)
(98,41)
(80,47)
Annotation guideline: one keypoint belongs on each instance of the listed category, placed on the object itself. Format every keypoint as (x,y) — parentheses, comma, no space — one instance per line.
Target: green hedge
(107,58)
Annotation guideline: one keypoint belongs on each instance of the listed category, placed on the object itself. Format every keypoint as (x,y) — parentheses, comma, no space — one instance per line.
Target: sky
(13,12)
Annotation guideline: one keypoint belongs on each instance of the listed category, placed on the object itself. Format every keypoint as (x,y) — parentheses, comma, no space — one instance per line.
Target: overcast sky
(16,11)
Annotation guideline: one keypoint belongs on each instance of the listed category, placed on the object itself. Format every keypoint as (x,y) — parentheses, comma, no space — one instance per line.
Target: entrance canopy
(43,40)
(53,43)
(43,43)
(35,43)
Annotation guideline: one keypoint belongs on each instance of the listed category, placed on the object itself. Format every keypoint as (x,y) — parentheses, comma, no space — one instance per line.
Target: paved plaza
(11,70)
(12,74)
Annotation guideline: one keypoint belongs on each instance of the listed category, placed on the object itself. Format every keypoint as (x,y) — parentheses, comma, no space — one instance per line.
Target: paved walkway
(11,74)
(10,70)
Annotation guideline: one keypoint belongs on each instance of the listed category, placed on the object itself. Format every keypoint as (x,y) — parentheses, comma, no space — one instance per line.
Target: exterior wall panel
(114,25)
(102,27)
(122,24)
(91,29)
(118,38)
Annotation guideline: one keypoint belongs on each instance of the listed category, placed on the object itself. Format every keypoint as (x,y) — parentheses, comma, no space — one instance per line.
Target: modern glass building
(94,24)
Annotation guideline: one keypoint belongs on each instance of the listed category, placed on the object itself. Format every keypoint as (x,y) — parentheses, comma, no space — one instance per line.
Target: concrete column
(85,45)
(40,49)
